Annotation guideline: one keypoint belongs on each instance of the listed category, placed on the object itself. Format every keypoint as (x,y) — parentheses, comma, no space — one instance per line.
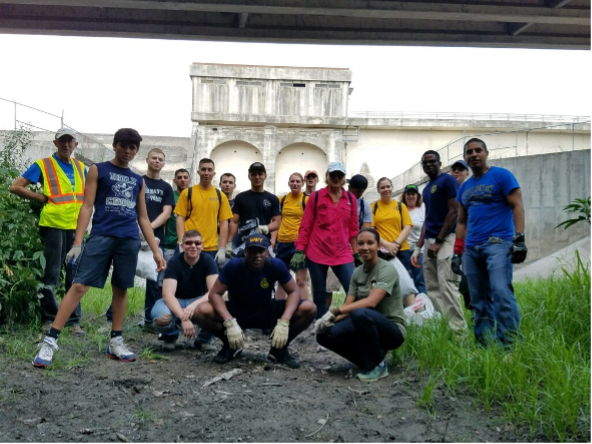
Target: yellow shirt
(387,220)
(205,205)
(292,212)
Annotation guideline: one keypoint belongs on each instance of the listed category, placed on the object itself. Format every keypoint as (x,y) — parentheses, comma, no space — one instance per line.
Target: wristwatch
(439,240)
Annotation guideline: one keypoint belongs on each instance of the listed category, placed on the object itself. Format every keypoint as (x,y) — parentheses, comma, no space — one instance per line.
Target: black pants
(363,338)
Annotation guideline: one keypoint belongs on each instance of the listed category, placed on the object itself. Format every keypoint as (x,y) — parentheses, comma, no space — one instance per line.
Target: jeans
(489,273)
(417,275)
(318,278)
(363,338)
(56,244)
(172,330)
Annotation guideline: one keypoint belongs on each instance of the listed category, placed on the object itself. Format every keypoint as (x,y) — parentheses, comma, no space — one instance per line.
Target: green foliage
(543,382)
(581,206)
(21,252)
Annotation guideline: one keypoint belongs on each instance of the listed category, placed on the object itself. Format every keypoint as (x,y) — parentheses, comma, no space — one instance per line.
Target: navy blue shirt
(191,279)
(435,197)
(115,202)
(158,193)
(488,211)
(248,289)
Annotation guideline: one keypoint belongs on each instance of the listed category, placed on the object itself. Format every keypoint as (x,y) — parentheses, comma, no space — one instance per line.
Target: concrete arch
(298,157)
(234,157)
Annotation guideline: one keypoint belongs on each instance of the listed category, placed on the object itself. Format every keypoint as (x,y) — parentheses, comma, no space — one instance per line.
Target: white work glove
(234,334)
(279,335)
(74,253)
(262,229)
(415,255)
(325,323)
(221,256)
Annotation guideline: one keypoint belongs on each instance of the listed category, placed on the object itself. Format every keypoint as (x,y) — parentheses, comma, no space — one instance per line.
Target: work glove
(297,262)
(262,229)
(357,260)
(325,323)
(228,253)
(279,335)
(456,264)
(221,256)
(73,254)
(415,257)
(234,334)
(518,249)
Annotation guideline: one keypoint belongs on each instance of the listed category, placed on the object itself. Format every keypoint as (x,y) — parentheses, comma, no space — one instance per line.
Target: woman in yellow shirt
(393,222)
(292,208)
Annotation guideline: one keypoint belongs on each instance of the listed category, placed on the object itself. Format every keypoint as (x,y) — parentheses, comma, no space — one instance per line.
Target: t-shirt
(204,214)
(364,212)
(115,202)
(292,212)
(248,289)
(418,218)
(387,220)
(34,175)
(384,276)
(191,279)
(435,198)
(158,194)
(170,235)
(255,209)
(488,211)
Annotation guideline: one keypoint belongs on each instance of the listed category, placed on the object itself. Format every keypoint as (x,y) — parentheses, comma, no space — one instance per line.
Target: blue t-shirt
(115,202)
(248,289)
(33,174)
(364,212)
(435,197)
(191,279)
(488,212)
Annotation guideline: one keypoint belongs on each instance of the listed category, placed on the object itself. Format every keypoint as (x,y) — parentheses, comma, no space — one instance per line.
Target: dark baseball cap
(460,164)
(257,240)
(358,181)
(257,166)
(411,187)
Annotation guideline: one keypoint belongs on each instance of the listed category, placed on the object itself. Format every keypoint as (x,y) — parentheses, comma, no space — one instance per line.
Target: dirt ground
(155,400)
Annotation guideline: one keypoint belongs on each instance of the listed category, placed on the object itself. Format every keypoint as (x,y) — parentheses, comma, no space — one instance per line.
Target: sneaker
(118,350)
(378,372)
(77,330)
(48,347)
(227,354)
(282,356)
(204,346)
(169,342)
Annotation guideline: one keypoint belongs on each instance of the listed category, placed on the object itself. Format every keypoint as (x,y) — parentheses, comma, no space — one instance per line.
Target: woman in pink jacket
(327,235)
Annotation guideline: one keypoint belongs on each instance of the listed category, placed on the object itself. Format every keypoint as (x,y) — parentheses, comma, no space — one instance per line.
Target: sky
(102,84)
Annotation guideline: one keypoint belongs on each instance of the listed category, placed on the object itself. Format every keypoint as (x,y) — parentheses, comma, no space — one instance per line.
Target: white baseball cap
(65,131)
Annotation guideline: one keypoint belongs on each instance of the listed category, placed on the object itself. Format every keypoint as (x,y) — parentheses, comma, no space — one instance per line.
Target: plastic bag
(421,311)
(146,267)
(405,281)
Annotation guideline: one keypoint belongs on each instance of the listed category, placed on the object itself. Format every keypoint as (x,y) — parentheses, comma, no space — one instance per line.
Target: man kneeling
(250,281)
(187,279)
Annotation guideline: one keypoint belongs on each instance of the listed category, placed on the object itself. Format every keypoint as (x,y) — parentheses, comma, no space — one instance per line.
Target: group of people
(224,261)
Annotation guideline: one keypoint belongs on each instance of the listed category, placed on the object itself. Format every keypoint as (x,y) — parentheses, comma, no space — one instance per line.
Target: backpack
(189,191)
(400,212)
(284,199)
(361,213)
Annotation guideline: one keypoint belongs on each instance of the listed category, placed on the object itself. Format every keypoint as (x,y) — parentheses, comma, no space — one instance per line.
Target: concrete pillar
(269,152)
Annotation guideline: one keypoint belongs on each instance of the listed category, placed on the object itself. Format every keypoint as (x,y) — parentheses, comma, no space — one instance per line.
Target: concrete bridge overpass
(556,24)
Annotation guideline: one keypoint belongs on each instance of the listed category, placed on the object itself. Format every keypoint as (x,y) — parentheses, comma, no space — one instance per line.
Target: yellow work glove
(234,334)
(279,335)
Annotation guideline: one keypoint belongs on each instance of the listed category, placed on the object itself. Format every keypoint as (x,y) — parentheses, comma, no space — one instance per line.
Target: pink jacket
(326,230)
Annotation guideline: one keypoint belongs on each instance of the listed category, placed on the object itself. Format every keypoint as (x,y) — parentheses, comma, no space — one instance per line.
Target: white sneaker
(45,355)
(118,350)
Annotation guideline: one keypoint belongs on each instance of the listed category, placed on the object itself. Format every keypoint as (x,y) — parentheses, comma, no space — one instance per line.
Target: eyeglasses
(189,243)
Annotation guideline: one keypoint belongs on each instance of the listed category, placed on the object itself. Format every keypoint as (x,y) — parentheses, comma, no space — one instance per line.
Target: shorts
(264,317)
(97,255)
(284,252)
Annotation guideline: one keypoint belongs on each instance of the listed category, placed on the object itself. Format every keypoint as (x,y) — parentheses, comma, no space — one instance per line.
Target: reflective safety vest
(63,202)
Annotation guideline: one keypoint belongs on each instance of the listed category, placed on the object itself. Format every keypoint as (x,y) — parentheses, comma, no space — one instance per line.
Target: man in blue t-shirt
(250,282)
(437,234)
(491,228)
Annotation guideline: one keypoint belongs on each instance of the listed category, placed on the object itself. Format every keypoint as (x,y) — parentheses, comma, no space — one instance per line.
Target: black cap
(256,240)
(257,166)
(358,181)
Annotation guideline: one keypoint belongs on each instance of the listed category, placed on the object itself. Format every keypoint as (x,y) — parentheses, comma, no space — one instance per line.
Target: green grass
(543,382)
(96,302)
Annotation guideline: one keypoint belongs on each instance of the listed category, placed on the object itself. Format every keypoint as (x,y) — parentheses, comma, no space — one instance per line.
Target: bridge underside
(555,24)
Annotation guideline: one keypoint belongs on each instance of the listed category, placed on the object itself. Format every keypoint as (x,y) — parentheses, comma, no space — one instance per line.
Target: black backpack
(189,191)
(284,199)
(400,212)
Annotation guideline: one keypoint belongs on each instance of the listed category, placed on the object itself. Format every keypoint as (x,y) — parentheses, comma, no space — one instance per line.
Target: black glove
(456,264)
(357,260)
(518,249)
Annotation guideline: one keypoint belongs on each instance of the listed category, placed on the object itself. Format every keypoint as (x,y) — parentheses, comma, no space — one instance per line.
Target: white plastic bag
(405,281)
(421,311)
(146,267)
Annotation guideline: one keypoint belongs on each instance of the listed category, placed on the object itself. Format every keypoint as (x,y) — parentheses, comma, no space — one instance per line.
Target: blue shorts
(97,255)
(284,251)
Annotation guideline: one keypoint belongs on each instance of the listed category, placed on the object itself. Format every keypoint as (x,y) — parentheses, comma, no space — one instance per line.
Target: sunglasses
(189,243)
(337,174)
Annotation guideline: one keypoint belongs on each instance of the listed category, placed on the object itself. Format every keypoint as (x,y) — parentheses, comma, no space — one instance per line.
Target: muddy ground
(156,400)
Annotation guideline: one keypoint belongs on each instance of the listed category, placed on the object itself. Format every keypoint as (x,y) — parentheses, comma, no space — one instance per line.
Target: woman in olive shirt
(371,320)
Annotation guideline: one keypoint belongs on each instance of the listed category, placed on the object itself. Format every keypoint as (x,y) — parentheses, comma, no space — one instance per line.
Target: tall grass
(543,381)
(96,302)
